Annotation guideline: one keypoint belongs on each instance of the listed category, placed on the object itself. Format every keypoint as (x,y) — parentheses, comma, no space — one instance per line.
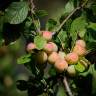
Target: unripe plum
(30,47)
(72,58)
(79,50)
(61,54)
(53,57)
(61,65)
(50,47)
(47,35)
(71,70)
(41,57)
(81,43)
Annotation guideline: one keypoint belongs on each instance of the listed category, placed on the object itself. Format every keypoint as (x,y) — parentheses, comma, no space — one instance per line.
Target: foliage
(74,24)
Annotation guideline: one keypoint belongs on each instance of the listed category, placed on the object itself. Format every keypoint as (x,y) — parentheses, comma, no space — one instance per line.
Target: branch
(32,6)
(61,25)
(65,20)
(84,3)
(67,86)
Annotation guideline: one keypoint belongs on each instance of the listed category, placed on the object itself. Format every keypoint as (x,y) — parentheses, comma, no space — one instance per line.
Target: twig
(67,86)
(32,6)
(65,20)
(84,3)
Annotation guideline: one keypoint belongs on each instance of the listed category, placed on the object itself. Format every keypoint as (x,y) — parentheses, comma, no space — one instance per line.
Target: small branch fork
(67,86)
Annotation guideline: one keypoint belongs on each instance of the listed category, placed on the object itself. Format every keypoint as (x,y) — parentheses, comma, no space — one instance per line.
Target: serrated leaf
(79,67)
(41,13)
(24,59)
(17,12)
(62,36)
(77,26)
(69,7)
(40,42)
(51,24)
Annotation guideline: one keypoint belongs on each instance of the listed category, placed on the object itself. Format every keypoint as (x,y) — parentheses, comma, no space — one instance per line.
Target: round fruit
(30,47)
(61,65)
(61,54)
(71,70)
(53,57)
(55,48)
(41,57)
(81,43)
(50,47)
(47,35)
(72,58)
(79,50)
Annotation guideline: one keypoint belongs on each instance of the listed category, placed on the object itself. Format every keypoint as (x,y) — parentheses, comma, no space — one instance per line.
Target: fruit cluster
(59,59)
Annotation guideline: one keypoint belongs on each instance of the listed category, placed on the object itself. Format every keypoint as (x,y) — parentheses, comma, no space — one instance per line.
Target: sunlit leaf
(69,7)
(40,42)
(24,59)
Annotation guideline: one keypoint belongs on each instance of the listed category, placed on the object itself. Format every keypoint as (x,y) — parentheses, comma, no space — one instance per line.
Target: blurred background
(9,70)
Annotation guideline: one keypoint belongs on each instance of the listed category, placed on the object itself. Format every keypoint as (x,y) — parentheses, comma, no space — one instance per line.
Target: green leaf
(24,59)
(90,35)
(69,7)
(79,67)
(82,32)
(51,25)
(77,26)
(41,13)
(92,26)
(37,24)
(17,12)
(61,91)
(40,42)
(62,36)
